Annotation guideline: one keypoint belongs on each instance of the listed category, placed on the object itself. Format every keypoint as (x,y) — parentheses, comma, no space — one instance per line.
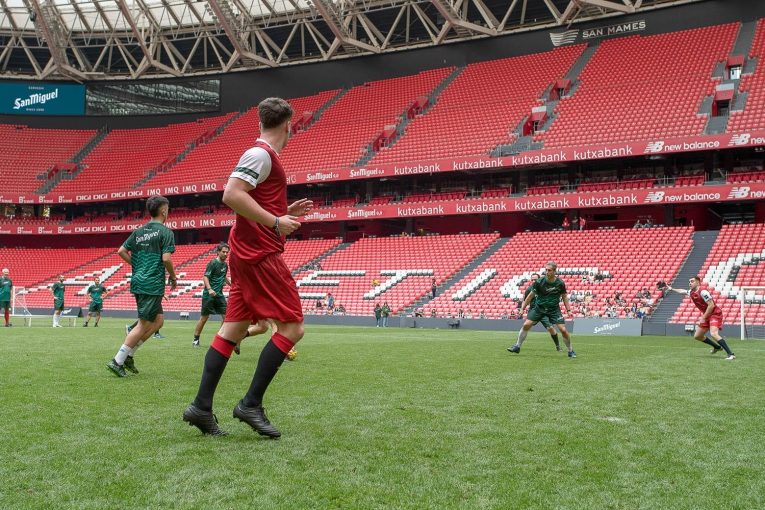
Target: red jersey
(700,298)
(260,167)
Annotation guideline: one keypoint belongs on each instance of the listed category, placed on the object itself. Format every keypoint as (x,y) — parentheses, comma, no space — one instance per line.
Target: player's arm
(567,304)
(167,261)
(710,304)
(678,291)
(237,197)
(125,254)
(209,288)
(527,301)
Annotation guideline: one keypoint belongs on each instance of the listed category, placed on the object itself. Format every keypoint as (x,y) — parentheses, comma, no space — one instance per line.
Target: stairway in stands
(702,245)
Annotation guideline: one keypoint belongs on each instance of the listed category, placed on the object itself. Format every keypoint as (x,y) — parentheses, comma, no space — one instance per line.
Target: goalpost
(752,299)
(19,302)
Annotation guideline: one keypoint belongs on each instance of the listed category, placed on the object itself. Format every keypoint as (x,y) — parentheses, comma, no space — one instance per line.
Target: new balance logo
(742,139)
(739,192)
(654,197)
(654,147)
(561,38)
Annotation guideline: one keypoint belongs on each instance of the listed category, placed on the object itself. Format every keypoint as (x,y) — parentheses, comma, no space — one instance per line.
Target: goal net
(752,312)
(19,302)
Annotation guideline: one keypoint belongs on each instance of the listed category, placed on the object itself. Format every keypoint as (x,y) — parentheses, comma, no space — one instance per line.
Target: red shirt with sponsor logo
(260,167)
(700,298)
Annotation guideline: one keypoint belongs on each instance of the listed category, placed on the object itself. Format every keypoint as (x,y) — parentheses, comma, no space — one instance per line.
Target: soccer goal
(752,315)
(19,302)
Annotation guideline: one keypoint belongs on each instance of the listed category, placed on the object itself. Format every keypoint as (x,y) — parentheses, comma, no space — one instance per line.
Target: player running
(57,289)
(711,321)
(213,300)
(96,293)
(545,321)
(148,250)
(548,292)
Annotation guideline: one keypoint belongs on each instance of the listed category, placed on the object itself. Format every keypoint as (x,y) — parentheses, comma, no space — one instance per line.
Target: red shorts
(265,290)
(716,320)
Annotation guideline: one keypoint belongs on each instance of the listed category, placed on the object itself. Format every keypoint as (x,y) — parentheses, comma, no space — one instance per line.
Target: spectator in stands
(419,312)
(433,287)
(319,305)
(330,303)
(566,224)
(481,315)
(57,289)
(148,250)
(582,223)
(637,224)
(6,291)
(385,314)
(433,313)
(340,310)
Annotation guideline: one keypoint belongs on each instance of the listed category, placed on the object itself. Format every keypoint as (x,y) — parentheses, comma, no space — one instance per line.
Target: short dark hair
(222,245)
(696,278)
(273,111)
(154,204)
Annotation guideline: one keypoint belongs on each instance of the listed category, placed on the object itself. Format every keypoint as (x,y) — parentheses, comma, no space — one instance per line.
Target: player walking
(213,300)
(548,292)
(6,291)
(711,321)
(57,289)
(262,285)
(148,250)
(96,293)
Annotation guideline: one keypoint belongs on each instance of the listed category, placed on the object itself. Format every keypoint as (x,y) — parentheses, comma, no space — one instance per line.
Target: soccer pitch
(385,418)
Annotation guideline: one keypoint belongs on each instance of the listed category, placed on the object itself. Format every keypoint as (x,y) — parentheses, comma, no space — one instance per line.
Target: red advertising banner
(460,164)
(559,201)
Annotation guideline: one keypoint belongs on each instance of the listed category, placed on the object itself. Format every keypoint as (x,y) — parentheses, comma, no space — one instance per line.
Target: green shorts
(214,305)
(58,305)
(95,308)
(546,317)
(4,305)
(148,306)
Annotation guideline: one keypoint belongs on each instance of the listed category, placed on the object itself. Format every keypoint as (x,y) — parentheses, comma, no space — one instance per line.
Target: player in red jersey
(262,285)
(711,321)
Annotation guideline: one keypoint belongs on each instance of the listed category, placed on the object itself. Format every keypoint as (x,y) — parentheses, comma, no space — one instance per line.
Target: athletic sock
(521,337)
(724,345)
(215,363)
(271,358)
(555,339)
(122,354)
(7,316)
(196,338)
(711,342)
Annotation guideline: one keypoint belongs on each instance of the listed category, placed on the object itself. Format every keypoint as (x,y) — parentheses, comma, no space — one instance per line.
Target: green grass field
(395,418)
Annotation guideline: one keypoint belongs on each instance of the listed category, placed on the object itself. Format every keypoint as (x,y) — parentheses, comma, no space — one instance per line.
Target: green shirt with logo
(58,291)
(146,246)
(216,274)
(526,294)
(548,293)
(5,288)
(96,293)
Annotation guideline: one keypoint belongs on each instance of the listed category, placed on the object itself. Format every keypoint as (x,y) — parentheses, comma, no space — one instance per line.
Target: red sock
(282,343)
(7,316)
(223,346)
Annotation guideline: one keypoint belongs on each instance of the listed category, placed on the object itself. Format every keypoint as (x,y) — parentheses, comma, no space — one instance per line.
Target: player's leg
(150,319)
(530,321)
(701,335)
(85,324)
(198,329)
(566,336)
(7,312)
(714,331)
(551,330)
(98,318)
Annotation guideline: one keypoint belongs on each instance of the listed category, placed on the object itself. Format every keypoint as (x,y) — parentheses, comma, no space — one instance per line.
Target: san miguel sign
(561,201)
(477,163)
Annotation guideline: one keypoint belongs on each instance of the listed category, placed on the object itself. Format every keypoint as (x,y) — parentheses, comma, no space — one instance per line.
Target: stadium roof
(105,39)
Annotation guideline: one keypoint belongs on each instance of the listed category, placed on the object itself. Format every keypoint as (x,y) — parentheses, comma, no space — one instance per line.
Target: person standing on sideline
(6,291)
(330,304)
(378,314)
(213,300)
(57,289)
(262,285)
(96,293)
(711,320)
(149,251)
(433,288)
(385,313)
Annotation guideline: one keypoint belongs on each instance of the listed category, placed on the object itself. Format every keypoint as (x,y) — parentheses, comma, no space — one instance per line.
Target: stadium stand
(214,161)
(124,157)
(751,116)
(352,272)
(629,260)
(24,166)
(655,83)
(476,112)
(735,259)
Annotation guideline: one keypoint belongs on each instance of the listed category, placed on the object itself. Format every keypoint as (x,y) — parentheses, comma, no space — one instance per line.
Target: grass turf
(394,418)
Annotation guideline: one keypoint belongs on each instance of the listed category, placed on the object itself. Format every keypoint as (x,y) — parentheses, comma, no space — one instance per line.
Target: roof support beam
(148,58)
(225,20)
(48,21)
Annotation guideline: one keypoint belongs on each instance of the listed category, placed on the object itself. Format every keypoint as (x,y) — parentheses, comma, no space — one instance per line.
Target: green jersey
(548,293)
(216,274)
(96,293)
(526,294)
(58,290)
(5,288)
(146,245)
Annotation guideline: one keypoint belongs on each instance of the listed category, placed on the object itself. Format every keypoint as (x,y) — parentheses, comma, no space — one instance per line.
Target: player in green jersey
(545,321)
(213,300)
(57,289)
(96,293)
(148,250)
(6,291)
(548,292)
